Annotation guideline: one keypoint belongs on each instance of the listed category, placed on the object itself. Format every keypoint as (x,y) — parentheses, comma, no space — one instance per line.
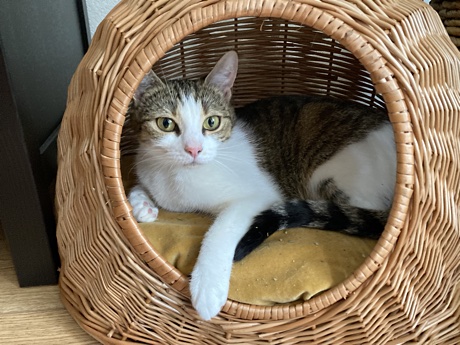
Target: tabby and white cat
(277,163)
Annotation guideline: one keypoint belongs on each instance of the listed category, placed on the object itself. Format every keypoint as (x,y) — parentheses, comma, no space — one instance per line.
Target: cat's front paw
(143,208)
(209,291)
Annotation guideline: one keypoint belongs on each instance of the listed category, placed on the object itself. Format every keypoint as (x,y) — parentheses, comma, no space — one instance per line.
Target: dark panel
(20,208)
(42,43)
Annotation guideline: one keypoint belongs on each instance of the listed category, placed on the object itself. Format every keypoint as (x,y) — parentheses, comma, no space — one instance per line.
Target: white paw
(143,208)
(209,288)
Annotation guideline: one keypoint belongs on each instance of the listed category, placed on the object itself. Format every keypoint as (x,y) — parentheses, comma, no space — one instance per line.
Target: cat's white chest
(197,188)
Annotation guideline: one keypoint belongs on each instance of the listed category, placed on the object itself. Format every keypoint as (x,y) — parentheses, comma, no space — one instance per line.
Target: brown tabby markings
(296,134)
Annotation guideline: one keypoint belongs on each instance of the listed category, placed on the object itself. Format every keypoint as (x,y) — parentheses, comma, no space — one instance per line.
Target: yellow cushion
(290,265)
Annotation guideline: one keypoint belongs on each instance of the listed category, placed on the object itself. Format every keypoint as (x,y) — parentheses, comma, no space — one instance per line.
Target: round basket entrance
(396,54)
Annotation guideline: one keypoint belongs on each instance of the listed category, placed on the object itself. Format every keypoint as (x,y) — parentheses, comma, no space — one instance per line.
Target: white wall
(96,12)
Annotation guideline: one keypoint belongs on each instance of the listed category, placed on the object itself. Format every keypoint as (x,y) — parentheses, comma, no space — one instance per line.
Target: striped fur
(320,214)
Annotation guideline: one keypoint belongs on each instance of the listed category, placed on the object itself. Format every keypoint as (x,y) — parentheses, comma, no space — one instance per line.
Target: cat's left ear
(149,80)
(224,73)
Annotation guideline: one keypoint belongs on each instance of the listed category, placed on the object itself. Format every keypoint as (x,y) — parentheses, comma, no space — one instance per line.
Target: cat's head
(183,122)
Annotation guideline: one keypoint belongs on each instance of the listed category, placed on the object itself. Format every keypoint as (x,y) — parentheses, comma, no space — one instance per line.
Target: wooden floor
(33,316)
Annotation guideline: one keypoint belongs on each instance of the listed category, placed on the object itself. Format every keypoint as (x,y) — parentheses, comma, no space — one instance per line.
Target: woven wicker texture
(390,52)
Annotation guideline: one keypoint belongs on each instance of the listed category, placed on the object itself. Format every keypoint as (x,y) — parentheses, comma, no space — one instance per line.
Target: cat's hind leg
(144,209)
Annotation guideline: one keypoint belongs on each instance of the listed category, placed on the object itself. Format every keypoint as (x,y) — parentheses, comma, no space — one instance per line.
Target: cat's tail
(319,214)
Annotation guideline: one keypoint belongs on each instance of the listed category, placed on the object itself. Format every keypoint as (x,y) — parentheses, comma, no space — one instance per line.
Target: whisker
(226,167)
(227,147)
(230,157)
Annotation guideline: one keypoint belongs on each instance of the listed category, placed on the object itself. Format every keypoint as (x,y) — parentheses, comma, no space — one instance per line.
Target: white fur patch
(191,122)
(365,171)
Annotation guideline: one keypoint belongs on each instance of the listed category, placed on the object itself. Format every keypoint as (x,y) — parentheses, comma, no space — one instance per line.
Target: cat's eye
(166,124)
(211,123)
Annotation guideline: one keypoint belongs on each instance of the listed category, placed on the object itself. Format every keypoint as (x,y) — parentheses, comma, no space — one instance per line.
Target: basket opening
(276,57)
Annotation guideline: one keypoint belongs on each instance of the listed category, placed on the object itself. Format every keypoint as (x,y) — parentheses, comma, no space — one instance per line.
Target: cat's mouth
(199,160)
(194,163)
(187,161)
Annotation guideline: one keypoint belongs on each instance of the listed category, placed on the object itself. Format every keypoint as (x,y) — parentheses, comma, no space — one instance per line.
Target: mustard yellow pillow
(290,265)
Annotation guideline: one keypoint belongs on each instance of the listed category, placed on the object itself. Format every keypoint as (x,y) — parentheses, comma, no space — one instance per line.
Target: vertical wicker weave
(121,291)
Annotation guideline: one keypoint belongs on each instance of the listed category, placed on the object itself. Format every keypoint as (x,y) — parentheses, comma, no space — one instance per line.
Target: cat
(279,162)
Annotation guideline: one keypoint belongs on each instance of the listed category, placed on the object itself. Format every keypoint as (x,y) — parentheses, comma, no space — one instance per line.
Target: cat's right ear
(149,80)
(224,73)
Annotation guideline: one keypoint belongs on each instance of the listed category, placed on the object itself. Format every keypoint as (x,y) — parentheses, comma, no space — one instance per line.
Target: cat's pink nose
(194,150)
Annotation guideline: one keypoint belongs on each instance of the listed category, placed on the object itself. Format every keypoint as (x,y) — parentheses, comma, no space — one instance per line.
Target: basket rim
(385,81)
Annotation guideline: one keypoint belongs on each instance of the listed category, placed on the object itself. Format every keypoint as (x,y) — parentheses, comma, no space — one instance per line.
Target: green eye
(166,124)
(212,123)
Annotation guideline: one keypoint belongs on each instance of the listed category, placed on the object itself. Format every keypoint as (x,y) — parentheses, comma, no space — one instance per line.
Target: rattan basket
(386,52)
